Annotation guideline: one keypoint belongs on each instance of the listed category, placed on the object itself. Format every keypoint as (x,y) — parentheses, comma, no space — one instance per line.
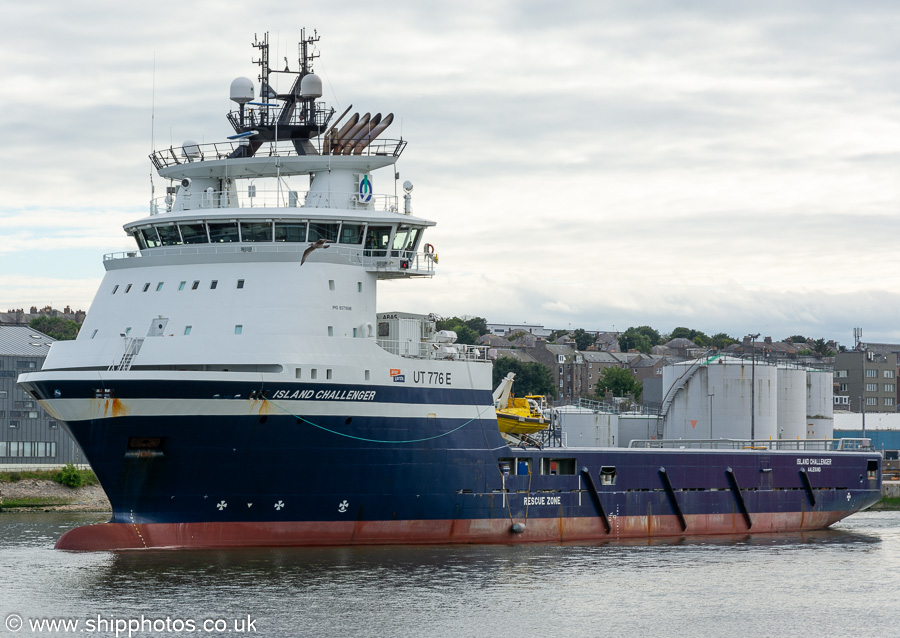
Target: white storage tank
(715,399)
(791,403)
(819,404)
(643,427)
(582,427)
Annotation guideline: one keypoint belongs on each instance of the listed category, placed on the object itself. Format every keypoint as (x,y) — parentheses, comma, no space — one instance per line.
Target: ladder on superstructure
(132,347)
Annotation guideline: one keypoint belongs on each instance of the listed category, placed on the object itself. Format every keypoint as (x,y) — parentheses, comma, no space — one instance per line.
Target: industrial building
(867,378)
(29,437)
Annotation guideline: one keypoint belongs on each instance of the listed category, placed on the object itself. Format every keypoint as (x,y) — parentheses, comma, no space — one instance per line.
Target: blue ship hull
(278,478)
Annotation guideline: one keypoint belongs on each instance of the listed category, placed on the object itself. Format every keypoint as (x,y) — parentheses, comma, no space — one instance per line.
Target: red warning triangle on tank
(694,424)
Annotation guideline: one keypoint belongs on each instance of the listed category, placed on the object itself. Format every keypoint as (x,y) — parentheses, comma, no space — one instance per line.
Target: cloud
(728,166)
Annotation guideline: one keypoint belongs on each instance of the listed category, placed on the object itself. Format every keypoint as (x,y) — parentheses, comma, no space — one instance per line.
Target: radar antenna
(298,118)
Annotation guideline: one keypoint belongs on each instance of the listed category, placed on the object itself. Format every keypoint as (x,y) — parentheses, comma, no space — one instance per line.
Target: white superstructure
(262,259)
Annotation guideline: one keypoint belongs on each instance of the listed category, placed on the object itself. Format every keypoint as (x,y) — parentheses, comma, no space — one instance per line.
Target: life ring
(429,249)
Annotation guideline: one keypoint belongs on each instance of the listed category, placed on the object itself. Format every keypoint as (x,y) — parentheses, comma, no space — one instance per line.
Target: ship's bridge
(387,243)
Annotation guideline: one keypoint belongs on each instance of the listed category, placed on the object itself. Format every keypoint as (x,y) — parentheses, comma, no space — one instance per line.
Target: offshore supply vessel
(234,385)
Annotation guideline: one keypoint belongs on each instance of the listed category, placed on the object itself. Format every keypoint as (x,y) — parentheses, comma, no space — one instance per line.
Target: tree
(56,327)
(583,339)
(467,329)
(642,339)
(797,339)
(556,334)
(696,336)
(531,378)
(478,324)
(721,341)
(619,381)
(821,348)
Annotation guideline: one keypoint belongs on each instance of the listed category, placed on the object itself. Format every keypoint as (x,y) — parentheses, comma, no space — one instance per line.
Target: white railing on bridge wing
(431,350)
(402,261)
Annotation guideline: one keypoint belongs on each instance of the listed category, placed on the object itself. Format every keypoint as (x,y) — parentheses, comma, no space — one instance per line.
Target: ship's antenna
(152,130)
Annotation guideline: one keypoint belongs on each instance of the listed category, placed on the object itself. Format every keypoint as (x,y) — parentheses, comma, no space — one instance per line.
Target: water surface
(844,581)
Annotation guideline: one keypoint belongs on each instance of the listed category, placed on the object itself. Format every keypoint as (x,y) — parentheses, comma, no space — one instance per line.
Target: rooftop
(18,341)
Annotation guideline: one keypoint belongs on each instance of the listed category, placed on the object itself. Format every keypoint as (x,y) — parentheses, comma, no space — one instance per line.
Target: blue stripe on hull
(166,389)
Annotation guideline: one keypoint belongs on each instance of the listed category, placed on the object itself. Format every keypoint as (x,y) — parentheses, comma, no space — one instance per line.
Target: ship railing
(383,262)
(750,444)
(253,197)
(648,409)
(275,113)
(179,155)
(855,444)
(388,262)
(432,350)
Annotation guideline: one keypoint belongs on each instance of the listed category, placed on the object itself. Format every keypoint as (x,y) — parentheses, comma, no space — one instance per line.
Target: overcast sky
(726,166)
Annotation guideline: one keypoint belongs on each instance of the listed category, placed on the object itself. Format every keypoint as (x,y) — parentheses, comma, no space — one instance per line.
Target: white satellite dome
(311,86)
(190,149)
(241,90)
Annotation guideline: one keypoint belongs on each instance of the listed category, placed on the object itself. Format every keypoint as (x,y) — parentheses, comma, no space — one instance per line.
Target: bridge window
(377,240)
(169,235)
(221,233)
(256,231)
(411,240)
(400,239)
(321,230)
(151,239)
(352,233)
(139,238)
(127,288)
(290,231)
(405,239)
(194,233)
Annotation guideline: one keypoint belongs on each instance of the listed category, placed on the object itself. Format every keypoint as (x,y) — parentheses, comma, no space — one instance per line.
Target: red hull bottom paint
(117,536)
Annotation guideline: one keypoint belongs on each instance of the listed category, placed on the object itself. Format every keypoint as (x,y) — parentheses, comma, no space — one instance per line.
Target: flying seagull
(322,243)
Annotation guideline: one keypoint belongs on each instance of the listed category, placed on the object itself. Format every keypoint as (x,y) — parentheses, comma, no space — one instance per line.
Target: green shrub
(71,476)
(14,477)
